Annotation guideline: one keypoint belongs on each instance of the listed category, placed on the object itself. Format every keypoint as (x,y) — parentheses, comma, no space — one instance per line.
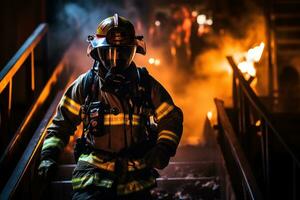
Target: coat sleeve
(64,122)
(168,116)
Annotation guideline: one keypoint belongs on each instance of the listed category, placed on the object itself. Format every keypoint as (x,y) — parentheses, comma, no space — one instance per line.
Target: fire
(154,61)
(247,68)
(209,115)
(253,56)
(255,53)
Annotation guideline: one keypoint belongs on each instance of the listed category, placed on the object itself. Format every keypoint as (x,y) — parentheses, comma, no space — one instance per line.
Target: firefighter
(131,125)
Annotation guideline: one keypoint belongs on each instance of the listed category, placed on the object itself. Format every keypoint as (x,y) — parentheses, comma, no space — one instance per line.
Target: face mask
(118,57)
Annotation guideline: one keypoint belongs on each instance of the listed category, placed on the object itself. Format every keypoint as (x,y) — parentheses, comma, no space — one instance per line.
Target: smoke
(75,21)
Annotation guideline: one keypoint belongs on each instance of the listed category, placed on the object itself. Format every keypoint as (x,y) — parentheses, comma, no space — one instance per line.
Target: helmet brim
(102,42)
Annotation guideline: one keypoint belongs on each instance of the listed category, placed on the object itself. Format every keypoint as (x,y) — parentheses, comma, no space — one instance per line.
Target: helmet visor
(116,56)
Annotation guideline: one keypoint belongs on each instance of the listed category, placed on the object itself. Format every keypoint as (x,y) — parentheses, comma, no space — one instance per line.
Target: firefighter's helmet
(115,43)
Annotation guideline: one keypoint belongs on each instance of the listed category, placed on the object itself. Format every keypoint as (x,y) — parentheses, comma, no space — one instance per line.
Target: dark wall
(17,21)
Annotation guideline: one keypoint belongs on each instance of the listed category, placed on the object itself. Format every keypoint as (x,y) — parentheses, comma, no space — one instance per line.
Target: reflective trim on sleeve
(135,186)
(94,160)
(163,110)
(169,135)
(53,142)
(70,105)
(82,182)
(120,119)
(98,162)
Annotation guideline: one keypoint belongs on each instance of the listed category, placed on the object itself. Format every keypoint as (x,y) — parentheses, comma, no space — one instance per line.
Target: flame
(157,23)
(201,19)
(258,123)
(253,56)
(153,61)
(255,53)
(157,62)
(209,115)
(247,68)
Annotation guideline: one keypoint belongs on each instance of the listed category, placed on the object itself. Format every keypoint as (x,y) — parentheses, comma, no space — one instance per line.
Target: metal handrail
(237,152)
(18,59)
(16,62)
(30,153)
(260,108)
(7,75)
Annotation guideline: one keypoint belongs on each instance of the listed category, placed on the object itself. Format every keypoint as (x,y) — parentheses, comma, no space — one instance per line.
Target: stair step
(289,52)
(292,35)
(292,21)
(285,16)
(288,41)
(286,2)
(183,169)
(286,7)
(164,179)
(64,172)
(63,189)
(287,28)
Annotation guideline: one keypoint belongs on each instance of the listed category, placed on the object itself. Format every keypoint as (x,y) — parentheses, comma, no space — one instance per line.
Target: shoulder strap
(145,84)
(90,80)
(87,83)
(88,94)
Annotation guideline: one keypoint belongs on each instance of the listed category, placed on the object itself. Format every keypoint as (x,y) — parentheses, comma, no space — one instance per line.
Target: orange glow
(151,61)
(201,19)
(247,68)
(258,123)
(194,13)
(157,23)
(253,56)
(255,53)
(44,94)
(209,115)
(157,62)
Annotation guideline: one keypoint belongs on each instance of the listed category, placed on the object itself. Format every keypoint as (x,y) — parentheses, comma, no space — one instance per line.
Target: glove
(158,157)
(46,169)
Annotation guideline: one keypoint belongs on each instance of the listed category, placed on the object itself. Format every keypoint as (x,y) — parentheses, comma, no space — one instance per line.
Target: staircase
(195,172)
(285,18)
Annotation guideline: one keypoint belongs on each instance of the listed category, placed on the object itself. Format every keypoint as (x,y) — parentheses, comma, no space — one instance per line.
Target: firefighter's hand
(158,157)
(46,170)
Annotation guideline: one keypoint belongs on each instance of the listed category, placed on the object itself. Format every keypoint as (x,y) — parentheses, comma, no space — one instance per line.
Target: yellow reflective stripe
(135,186)
(133,165)
(119,119)
(163,110)
(53,142)
(170,133)
(70,105)
(82,182)
(165,134)
(98,162)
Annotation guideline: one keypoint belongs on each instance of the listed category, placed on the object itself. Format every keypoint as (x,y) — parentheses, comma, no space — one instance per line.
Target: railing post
(234,91)
(263,152)
(294,181)
(9,98)
(32,72)
(239,110)
(267,162)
